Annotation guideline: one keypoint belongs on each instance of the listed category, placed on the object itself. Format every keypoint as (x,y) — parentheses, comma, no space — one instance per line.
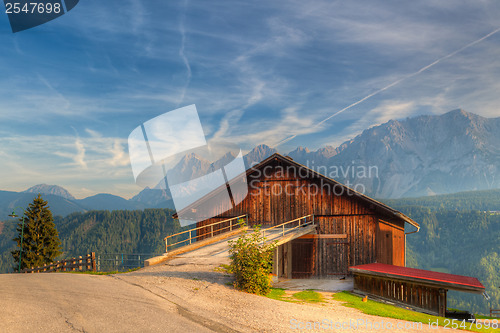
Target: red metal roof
(422,274)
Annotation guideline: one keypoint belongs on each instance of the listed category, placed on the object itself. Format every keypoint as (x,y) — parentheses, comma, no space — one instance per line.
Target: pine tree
(41,243)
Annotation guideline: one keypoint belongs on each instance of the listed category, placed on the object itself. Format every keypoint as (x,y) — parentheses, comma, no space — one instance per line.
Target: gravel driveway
(205,294)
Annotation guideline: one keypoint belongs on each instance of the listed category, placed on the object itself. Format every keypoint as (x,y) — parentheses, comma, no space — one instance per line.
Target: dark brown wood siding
(390,243)
(280,194)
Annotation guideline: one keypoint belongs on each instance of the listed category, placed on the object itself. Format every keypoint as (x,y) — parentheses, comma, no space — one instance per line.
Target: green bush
(251,262)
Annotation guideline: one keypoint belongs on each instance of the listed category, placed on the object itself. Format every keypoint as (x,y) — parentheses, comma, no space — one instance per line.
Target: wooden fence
(494,312)
(87,263)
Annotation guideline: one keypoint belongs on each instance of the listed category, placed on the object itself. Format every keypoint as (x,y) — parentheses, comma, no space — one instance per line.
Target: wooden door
(337,257)
(303,258)
(384,243)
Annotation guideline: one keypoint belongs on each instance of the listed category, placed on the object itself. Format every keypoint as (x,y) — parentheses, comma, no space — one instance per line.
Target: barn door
(338,258)
(303,258)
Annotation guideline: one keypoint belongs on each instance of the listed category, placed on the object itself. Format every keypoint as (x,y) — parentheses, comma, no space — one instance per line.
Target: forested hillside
(488,200)
(102,232)
(465,242)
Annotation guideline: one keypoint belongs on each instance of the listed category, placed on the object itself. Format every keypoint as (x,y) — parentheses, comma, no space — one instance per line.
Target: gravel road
(180,296)
(207,293)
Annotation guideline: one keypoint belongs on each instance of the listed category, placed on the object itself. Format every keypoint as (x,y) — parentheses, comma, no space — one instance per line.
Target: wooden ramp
(215,250)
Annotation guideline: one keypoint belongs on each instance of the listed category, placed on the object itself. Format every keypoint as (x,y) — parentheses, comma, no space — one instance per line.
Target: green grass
(309,296)
(277,294)
(487,317)
(223,268)
(385,310)
(103,273)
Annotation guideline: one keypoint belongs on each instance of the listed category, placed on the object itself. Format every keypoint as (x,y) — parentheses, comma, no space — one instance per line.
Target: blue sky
(72,90)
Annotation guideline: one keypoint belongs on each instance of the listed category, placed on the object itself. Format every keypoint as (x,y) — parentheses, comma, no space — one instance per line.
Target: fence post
(166,245)
(212,230)
(230,225)
(189,237)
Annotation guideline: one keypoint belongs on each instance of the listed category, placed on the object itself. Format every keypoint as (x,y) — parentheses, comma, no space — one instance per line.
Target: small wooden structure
(352,229)
(418,289)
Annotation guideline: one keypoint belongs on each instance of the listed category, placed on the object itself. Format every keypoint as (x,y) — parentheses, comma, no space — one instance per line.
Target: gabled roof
(450,281)
(278,157)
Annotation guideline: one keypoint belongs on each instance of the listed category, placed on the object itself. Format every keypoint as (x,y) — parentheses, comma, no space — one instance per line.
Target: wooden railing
(286,226)
(232,225)
(494,312)
(86,263)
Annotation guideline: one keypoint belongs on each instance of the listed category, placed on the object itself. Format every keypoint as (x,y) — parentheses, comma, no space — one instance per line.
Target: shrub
(251,262)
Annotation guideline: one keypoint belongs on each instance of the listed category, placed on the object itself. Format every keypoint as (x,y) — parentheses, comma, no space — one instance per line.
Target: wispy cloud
(182,51)
(96,161)
(316,72)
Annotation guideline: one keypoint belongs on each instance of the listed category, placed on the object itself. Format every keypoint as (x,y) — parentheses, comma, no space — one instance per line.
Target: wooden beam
(313,236)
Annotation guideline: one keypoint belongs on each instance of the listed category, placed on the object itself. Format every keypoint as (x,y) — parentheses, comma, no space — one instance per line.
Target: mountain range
(425,155)
(62,203)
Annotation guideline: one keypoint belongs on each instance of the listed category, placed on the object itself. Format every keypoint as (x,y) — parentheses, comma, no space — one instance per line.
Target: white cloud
(97,163)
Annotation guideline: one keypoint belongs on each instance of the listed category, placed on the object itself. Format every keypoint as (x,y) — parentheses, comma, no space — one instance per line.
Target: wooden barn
(350,228)
(332,231)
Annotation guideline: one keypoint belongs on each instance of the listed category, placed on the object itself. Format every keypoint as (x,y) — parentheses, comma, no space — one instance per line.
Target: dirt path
(207,294)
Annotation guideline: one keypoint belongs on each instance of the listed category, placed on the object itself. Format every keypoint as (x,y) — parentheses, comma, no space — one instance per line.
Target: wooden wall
(280,193)
(418,296)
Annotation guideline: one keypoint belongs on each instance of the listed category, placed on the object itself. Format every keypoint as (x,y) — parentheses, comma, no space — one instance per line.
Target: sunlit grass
(309,296)
(390,311)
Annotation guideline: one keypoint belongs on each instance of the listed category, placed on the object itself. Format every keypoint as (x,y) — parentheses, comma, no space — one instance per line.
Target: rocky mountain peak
(50,189)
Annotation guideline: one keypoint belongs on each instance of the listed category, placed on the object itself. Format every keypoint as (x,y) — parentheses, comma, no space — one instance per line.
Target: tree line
(120,231)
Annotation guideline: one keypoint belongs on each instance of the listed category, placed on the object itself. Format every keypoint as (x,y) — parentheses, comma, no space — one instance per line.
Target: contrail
(423,69)
(182,31)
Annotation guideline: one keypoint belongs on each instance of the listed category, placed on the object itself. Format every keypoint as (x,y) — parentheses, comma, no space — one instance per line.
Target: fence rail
(87,263)
(494,312)
(287,226)
(231,225)
(108,262)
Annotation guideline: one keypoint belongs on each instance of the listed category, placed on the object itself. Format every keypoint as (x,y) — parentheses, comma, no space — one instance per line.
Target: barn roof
(308,171)
(444,280)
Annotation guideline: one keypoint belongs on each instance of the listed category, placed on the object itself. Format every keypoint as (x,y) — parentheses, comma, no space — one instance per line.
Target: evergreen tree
(41,242)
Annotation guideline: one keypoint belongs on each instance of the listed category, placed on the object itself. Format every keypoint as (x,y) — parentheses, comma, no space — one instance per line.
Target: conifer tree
(41,243)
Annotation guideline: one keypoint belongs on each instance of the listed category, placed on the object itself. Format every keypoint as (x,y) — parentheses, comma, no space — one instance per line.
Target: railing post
(283,226)
(93,262)
(166,245)
(230,225)
(190,237)
(212,230)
